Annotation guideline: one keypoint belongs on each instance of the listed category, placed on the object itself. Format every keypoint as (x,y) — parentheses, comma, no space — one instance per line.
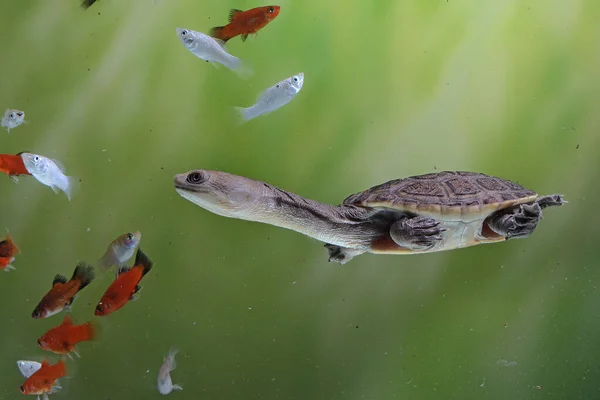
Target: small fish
(164,382)
(63,292)
(28,368)
(121,249)
(12,119)
(13,166)
(245,22)
(50,172)
(63,338)
(125,286)
(44,381)
(273,98)
(85,4)
(8,251)
(212,50)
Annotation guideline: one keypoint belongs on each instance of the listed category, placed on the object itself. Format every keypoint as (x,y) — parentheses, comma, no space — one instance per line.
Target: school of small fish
(42,377)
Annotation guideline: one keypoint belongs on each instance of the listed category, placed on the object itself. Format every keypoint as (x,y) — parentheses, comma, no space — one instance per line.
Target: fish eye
(184,32)
(99,308)
(36,158)
(271,10)
(12,115)
(129,236)
(295,79)
(22,389)
(36,313)
(195,177)
(39,342)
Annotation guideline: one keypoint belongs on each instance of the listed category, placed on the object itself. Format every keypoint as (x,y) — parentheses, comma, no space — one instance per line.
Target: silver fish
(12,119)
(28,368)
(212,50)
(164,382)
(121,249)
(273,98)
(50,173)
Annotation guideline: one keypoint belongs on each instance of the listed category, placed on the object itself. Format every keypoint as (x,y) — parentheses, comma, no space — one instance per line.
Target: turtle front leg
(341,254)
(416,233)
(518,222)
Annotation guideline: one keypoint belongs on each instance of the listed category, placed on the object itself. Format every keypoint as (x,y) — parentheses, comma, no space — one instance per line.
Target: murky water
(392,89)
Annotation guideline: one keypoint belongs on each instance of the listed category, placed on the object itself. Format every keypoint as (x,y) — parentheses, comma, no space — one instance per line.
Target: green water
(392,88)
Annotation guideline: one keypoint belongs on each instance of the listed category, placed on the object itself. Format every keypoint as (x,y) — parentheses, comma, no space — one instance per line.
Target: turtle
(419,214)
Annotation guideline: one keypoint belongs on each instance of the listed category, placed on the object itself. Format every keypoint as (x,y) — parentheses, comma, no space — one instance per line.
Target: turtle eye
(195,178)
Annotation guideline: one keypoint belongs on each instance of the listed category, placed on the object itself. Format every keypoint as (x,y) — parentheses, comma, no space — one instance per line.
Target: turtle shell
(446,196)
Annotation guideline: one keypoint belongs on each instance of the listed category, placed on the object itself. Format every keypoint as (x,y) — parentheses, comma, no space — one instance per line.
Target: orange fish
(125,286)
(45,380)
(63,292)
(245,22)
(13,166)
(63,338)
(8,250)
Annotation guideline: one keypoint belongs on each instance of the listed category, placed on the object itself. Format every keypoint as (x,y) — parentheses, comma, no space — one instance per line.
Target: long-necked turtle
(420,214)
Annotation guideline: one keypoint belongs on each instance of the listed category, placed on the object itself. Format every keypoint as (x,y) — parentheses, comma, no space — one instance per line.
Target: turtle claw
(341,254)
(519,222)
(417,233)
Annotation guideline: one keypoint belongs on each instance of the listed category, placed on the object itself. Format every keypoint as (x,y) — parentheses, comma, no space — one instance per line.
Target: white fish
(212,50)
(164,382)
(12,119)
(121,249)
(50,173)
(28,368)
(273,98)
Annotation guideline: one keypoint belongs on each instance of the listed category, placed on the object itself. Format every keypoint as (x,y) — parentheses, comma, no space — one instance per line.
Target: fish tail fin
(219,33)
(73,187)
(85,4)
(107,260)
(91,330)
(142,259)
(243,70)
(84,273)
(61,369)
(242,114)
(10,240)
(171,357)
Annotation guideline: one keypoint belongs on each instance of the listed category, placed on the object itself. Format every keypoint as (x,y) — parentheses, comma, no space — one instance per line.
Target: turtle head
(221,193)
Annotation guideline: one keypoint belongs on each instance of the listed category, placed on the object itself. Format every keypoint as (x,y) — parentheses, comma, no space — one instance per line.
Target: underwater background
(392,89)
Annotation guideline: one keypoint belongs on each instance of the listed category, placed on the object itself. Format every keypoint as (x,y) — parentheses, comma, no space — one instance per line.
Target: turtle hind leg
(518,222)
(416,233)
(552,200)
(341,254)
